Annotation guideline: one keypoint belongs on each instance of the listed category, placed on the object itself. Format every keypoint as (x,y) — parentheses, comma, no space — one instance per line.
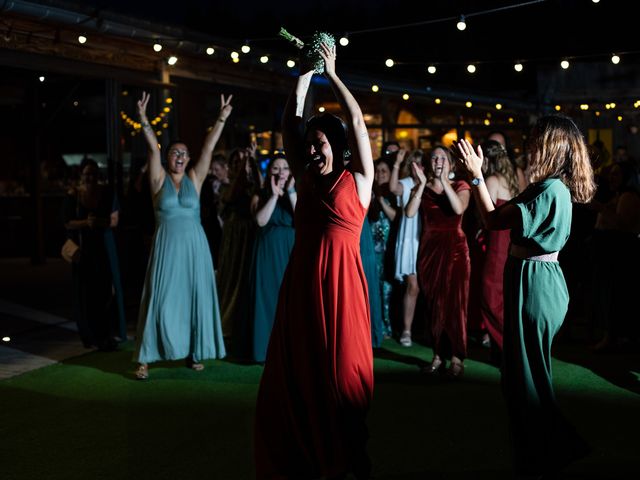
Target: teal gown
(179,314)
(273,246)
(369,264)
(535,303)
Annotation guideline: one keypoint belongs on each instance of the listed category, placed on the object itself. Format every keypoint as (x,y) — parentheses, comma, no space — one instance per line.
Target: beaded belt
(524,253)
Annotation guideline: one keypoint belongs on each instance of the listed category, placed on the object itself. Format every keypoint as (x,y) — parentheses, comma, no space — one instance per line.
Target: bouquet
(311,50)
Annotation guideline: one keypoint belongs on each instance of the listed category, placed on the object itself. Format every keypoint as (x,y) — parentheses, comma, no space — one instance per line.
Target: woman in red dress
(443,258)
(318,377)
(502,183)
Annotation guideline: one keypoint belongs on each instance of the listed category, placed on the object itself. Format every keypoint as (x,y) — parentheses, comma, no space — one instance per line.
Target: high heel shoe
(437,364)
(455,370)
(405,339)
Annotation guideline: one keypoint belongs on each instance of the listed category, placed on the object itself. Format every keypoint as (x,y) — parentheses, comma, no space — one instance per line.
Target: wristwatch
(476,181)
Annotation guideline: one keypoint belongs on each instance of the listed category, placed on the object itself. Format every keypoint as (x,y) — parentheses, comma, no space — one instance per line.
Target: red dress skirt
(443,271)
(492,305)
(318,377)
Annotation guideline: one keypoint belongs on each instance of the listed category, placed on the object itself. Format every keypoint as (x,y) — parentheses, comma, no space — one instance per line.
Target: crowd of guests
(435,249)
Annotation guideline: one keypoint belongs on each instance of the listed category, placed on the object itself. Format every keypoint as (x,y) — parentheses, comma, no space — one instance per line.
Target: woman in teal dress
(382,213)
(273,211)
(179,314)
(535,292)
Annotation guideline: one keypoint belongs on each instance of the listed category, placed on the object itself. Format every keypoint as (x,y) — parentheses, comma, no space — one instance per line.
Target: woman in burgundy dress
(502,183)
(318,377)
(443,258)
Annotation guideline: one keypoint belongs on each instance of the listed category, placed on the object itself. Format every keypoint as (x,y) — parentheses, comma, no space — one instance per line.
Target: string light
(462,24)
(291,63)
(389,63)
(487,122)
(558,108)
(564,64)
(518,67)
(438,101)
(615,59)
(235,55)
(157,47)
(235,60)
(321,109)
(210,50)
(471,68)
(172,60)
(264,59)
(375,88)
(41,78)
(405,96)
(82,39)
(344,41)
(498,106)
(468,104)
(584,106)
(619,118)
(6,339)
(510,120)
(431,69)
(245,48)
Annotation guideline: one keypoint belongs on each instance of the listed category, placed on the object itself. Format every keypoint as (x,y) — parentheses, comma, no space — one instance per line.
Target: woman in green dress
(273,211)
(535,292)
(179,314)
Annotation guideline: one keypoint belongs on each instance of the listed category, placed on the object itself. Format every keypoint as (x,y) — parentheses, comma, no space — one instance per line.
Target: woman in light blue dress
(179,313)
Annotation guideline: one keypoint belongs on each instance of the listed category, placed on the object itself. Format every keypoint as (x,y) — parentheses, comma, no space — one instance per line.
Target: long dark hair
(336,132)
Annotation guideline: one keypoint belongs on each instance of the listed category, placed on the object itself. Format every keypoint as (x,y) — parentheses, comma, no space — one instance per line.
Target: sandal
(197,366)
(142,373)
(455,370)
(436,365)
(405,339)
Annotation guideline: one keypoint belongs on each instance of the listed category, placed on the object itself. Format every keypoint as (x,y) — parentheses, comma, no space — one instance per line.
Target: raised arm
(459,201)
(394,183)
(358,137)
(201,168)
(156,171)
(292,119)
(507,216)
(416,193)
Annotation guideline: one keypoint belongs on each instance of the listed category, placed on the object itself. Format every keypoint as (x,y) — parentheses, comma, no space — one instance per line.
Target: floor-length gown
(369,263)
(492,303)
(536,301)
(443,271)
(274,242)
(318,378)
(179,313)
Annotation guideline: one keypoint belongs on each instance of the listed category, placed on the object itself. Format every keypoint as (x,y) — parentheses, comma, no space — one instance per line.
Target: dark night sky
(544,32)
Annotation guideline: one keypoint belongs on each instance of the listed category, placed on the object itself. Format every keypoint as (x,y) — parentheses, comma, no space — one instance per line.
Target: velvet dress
(443,271)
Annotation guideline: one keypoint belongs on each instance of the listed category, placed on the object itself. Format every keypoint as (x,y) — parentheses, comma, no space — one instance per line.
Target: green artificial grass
(87,418)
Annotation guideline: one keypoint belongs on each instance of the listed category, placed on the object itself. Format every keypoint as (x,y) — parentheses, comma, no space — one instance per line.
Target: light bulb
(245,48)
(471,68)
(157,47)
(344,41)
(291,63)
(375,88)
(264,59)
(461,25)
(389,63)
(518,67)
(210,51)
(172,60)
(82,39)
(615,59)
(564,64)
(431,69)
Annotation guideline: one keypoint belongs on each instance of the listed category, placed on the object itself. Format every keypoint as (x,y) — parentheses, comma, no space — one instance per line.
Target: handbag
(70,251)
